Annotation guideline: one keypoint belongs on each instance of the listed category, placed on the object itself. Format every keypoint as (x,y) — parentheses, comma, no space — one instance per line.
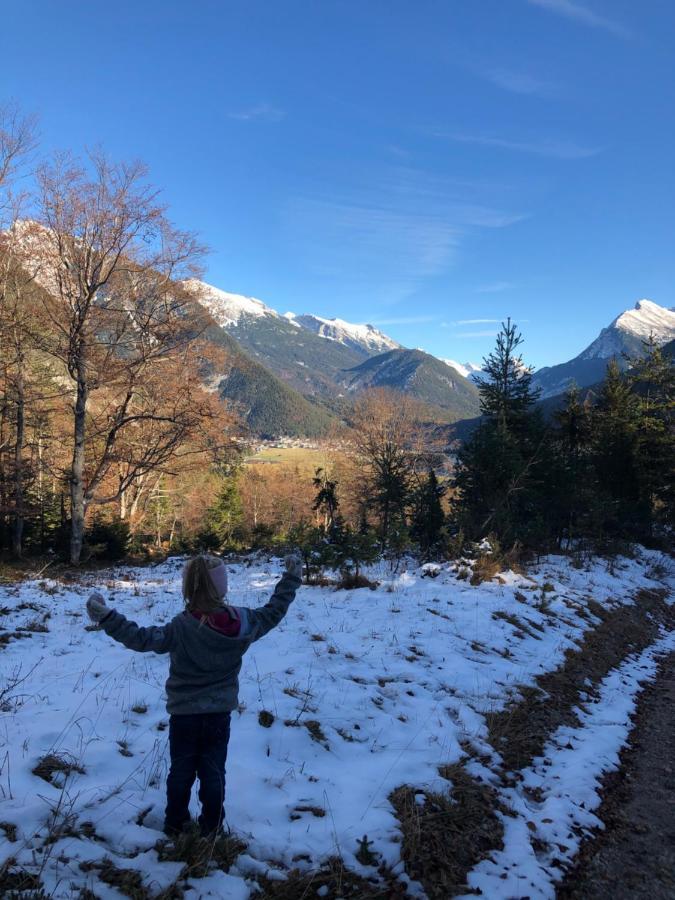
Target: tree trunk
(18,523)
(77,493)
(41,491)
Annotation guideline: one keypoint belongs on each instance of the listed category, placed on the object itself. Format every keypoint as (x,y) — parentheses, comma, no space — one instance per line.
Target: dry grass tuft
(332,882)
(17,883)
(51,764)
(316,732)
(447,835)
(350,581)
(200,854)
(10,831)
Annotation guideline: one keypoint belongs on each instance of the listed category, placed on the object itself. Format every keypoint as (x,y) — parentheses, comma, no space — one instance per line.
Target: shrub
(108,540)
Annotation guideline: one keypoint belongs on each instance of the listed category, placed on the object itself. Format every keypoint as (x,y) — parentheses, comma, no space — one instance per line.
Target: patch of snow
(648,318)
(362,335)
(227,309)
(390,715)
(468,370)
(566,781)
(645,319)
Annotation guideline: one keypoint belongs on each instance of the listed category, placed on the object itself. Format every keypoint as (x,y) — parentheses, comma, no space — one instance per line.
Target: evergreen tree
(387,438)
(652,380)
(506,394)
(615,438)
(224,519)
(310,542)
(428,519)
(500,471)
(572,486)
(349,549)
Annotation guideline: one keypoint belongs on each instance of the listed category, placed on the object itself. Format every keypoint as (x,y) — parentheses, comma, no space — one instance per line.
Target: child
(206,643)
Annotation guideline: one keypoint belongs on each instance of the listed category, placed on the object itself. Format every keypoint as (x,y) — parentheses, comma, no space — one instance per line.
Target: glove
(293,565)
(96,607)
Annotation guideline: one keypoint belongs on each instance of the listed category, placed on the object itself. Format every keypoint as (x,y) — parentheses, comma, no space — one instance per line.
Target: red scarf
(226,621)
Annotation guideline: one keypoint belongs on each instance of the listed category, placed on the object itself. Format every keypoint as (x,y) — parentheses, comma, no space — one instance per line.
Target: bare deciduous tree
(17,139)
(392,446)
(116,321)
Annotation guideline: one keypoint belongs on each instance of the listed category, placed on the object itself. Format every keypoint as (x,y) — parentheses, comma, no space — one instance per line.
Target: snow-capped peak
(226,308)
(644,320)
(648,318)
(365,337)
(468,370)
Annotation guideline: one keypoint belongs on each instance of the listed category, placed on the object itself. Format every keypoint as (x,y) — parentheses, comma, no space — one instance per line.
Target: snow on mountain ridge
(227,308)
(468,370)
(645,319)
(648,318)
(230,309)
(336,329)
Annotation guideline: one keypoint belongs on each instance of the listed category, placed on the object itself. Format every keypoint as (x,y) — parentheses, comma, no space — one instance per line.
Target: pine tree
(224,519)
(428,519)
(571,484)
(349,549)
(615,427)
(652,380)
(500,472)
(506,394)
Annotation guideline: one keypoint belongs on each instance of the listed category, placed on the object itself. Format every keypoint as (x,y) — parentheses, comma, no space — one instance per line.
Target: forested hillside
(268,405)
(446,393)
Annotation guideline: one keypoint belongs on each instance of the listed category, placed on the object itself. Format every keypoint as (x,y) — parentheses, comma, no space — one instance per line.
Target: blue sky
(429,166)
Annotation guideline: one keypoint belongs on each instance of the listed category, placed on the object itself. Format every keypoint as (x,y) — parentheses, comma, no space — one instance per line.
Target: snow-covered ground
(369,690)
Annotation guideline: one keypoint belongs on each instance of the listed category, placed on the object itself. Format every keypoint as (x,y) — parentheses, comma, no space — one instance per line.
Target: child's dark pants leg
(211,770)
(184,740)
(198,747)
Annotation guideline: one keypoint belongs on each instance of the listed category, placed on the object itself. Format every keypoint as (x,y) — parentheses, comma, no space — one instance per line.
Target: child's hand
(96,607)
(293,565)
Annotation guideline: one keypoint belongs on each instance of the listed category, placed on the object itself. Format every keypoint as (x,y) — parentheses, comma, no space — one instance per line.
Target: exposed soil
(634,857)
(520,732)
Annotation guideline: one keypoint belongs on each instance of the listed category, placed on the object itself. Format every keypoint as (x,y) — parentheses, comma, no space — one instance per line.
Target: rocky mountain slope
(625,335)
(446,392)
(328,361)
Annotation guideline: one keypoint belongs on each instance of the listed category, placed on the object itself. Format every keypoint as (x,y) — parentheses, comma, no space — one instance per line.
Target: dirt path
(635,856)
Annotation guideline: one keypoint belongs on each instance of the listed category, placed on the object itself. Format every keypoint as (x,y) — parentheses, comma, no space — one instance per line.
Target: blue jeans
(198,748)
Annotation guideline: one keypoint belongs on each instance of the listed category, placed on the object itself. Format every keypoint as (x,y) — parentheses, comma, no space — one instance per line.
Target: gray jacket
(205,664)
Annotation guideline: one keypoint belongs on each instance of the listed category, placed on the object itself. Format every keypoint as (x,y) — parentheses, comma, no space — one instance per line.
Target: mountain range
(290,374)
(328,361)
(313,366)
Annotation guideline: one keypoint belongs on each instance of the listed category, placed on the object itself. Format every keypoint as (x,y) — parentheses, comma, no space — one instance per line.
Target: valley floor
(466,730)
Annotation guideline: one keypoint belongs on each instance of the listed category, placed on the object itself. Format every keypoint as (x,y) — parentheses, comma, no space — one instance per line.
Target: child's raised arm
(262,620)
(157,638)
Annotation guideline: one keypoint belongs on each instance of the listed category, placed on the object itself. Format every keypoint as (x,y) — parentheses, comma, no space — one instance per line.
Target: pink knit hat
(219,579)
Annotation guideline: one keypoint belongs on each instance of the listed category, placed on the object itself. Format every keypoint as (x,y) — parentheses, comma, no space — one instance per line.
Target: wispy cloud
(261,112)
(388,233)
(550,148)
(476,322)
(570,10)
(518,82)
(494,287)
